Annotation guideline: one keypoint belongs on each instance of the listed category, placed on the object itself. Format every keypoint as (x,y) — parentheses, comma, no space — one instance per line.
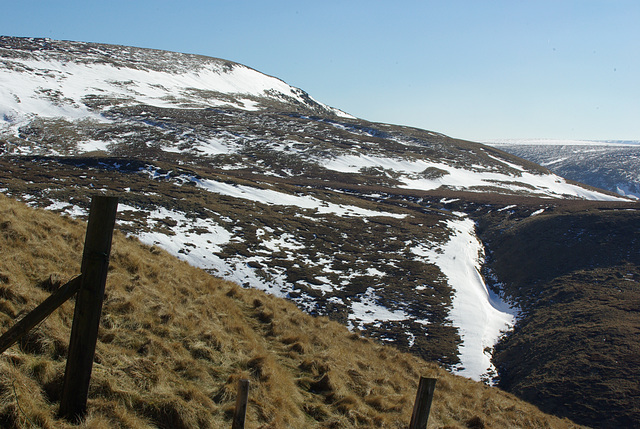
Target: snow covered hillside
(42,78)
(253,180)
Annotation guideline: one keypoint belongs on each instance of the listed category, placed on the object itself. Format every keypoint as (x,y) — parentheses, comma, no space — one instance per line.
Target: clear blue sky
(470,69)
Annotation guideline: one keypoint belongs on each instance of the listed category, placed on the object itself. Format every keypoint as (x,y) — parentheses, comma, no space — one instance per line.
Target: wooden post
(38,314)
(422,406)
(241,404)
(86,318)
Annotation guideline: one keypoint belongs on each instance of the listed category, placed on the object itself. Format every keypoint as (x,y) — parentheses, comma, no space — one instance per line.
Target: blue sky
(477,70)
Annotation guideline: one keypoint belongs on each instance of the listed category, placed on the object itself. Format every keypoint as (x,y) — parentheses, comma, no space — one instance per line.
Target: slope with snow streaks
(480,316)
(332,253)
(473,313)
(55,83)
(79,97)
(428,175)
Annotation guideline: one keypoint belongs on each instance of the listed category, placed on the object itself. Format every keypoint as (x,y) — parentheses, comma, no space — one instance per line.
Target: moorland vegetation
(575,274)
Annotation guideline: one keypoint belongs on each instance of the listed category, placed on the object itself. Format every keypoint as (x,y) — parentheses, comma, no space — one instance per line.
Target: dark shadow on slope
(575,351)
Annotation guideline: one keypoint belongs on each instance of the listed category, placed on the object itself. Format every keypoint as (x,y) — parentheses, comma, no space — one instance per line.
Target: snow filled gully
(480,316)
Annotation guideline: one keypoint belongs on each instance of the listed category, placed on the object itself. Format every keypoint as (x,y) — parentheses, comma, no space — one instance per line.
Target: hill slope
(577,338)
(372,225)
(174,341)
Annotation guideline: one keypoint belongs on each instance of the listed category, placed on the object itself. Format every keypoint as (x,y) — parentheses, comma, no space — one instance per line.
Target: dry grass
(174,341)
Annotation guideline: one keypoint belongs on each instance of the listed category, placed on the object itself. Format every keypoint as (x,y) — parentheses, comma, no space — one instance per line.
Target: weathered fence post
(86,318)
(422,406)
(241,404)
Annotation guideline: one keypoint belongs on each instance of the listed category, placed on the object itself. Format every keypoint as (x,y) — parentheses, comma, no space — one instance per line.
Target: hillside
(174,341)
(384,229)
(577,338)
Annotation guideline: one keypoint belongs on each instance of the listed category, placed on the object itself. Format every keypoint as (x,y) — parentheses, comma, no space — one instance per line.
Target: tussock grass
(174,341)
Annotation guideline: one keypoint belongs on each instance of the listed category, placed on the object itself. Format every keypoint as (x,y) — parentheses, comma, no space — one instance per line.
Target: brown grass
(174,342)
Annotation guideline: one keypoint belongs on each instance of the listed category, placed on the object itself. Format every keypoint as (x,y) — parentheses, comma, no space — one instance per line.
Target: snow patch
(52,88)
(271,197)
(367,310)
(195,240)
(92,145)
(479,315)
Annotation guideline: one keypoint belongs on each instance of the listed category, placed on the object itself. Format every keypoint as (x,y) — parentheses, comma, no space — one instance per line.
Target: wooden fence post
(86,318)
(422,406)
(241,404)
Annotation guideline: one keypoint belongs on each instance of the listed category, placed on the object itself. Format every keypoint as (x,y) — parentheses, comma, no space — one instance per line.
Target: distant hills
(611,165)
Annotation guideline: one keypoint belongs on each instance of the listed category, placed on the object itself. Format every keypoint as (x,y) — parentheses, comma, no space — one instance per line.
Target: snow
(449,201)
(285,241)
(555,161)
(478,314)
(89,146)
(547,185)
(51,88)
(194,240)
(271,197)
(626,192)
(215,147)
(375,272)
(369,311)
(510,164)
(67,208)
(354,163)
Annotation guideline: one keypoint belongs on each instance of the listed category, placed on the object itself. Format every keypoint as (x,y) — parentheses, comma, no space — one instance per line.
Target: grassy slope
(174,341)
(575,351)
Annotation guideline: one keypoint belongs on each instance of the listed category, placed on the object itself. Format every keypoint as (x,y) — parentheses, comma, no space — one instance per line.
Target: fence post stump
(241,404)
(422,406)
(86,318)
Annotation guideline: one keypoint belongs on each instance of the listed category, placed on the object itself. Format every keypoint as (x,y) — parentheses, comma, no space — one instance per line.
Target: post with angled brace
(86,318)
(41,312)
(422,406)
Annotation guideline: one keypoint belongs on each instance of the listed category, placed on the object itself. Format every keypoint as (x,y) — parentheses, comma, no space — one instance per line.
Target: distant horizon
(566,142)
(478,71)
